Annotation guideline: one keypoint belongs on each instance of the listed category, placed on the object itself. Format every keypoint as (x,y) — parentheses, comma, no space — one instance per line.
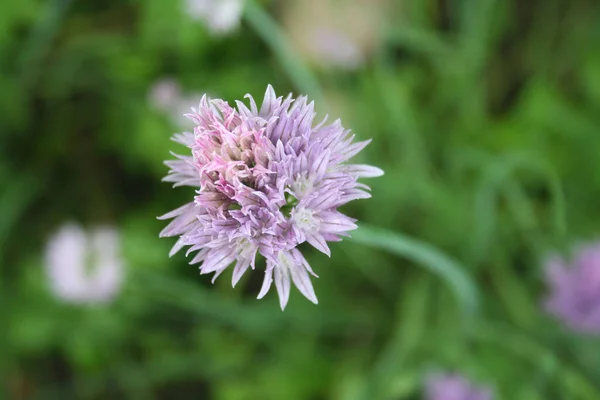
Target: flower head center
(302,185)
(306,220)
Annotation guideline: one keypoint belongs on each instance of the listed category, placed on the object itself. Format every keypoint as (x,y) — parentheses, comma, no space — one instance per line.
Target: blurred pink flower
(164,93)
(84,267)
(454,387)
(575,289)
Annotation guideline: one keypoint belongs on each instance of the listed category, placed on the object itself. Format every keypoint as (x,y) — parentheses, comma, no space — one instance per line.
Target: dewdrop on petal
(267,179)
(84,267)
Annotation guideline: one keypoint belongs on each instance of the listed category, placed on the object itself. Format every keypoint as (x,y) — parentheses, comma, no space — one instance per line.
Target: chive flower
(267,179)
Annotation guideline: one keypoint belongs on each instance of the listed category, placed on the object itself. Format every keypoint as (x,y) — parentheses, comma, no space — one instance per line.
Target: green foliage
(485,116)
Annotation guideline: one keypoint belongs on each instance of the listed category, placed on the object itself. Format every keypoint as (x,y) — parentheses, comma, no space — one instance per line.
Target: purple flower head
(454,387)
(267,180)
(575,290)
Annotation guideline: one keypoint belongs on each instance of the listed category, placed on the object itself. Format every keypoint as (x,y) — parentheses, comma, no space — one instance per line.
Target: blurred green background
(484,114)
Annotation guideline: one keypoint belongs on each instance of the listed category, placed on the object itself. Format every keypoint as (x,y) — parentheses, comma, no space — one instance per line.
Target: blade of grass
(40,39)
(410,324)
(401,115)
(485,213)
(429,257)
(536,165)
(254,318)
(547,363)
(497,177)
(418,40)
(15,198)
(512,293)
(18,194)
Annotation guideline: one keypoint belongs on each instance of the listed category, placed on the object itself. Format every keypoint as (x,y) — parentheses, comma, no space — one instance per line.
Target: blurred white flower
(164,93)
(84,267)
(220,16)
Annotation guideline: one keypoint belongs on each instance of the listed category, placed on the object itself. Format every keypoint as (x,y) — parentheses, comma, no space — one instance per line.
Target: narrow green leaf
(255,318)
(548,364)
(41,37)
(14,199)
(409,328)
(427,256)
(512,293)
(498,177)
(419,41)
(539,166)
